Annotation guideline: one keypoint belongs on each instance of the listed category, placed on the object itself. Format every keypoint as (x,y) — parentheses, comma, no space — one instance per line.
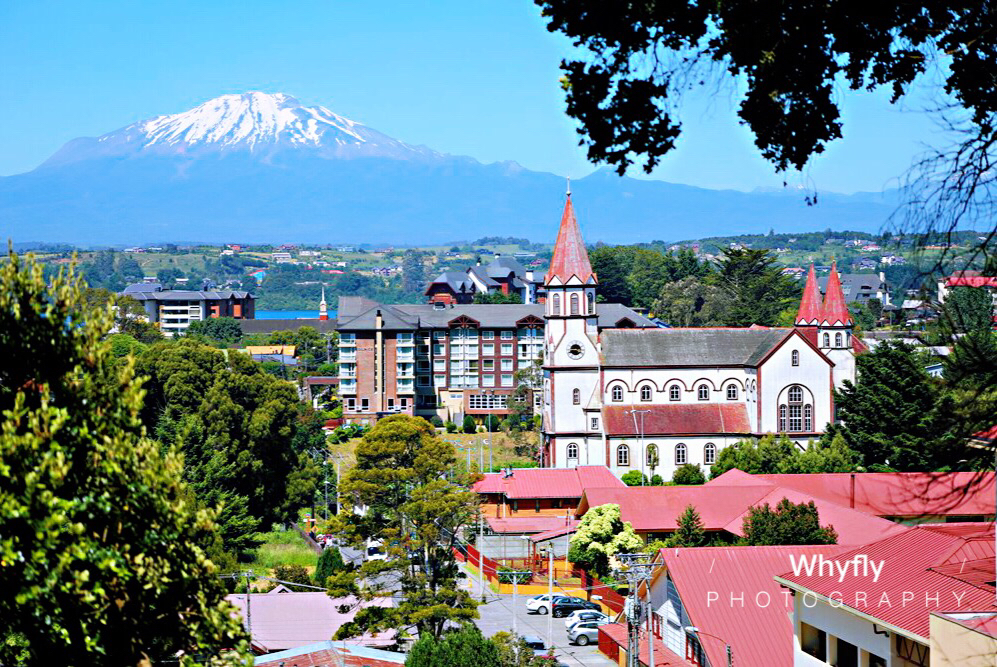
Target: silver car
(584,615)
(584,633)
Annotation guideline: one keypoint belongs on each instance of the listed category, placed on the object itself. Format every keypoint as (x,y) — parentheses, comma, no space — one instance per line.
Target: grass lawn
(284,547)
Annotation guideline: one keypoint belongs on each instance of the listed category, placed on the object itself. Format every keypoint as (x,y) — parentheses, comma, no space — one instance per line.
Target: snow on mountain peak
(250,119)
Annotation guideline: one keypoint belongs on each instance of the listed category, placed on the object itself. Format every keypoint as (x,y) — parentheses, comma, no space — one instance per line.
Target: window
(506,349)
(507,364)
(487,380)
(572,451)
(795,416)
(594,424)
(704,392)
(837,340)
(645,393)
(347,339)
(617,393)
(827,340)
(709,454)
(652,456)
(813,642)
(439,335)
(488,401)
(508,335)
(576,397)
(590,307)
(782,418)
(556,304)
(487,364)
(674,393)
(848,654)
(795,394)
(507,379)
(364,404)
(574,304)
(439,380)
(732,392)
(488,349)
(623,455)
(808,418)
(488,335)
(796,357)
(681,454)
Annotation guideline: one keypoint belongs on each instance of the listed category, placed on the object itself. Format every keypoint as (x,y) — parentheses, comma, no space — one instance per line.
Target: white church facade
(652,400)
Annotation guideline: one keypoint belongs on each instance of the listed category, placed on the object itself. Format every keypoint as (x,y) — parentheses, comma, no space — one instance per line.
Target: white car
(540,604)
(585,615)
(374,551)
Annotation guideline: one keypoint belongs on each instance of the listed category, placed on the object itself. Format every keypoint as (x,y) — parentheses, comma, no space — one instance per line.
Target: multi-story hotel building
(173,310)
(438,359)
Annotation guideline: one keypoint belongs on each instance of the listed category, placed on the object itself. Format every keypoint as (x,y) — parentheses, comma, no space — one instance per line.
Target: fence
(589,584)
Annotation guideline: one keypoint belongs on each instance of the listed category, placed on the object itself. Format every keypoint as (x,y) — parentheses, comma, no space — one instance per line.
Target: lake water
(290,314)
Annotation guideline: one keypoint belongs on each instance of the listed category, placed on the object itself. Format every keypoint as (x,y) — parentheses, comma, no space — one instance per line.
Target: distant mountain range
(262,167)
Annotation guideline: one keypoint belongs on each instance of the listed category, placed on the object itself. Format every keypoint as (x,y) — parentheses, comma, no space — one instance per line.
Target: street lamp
(693,630)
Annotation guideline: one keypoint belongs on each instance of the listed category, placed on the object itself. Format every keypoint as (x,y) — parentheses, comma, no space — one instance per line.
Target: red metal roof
(834,311)
(970,279)
(570,258)
(663,656)
(526,483)
(983,622)
(730,592)
(810,305)
(570,527)
(332,654)
(678,419)
(888,494)
(528,524)
(910,585)
(657,508)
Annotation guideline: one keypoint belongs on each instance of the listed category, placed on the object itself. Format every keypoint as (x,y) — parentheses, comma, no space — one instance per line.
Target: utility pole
(643,454)
(515,591)
(481,556)
(249,608)
(550,598)
(638,569)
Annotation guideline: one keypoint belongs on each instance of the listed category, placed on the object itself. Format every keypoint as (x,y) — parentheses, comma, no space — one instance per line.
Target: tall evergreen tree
(690,531)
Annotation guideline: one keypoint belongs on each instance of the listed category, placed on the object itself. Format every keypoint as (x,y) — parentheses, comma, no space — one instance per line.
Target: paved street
(496,616)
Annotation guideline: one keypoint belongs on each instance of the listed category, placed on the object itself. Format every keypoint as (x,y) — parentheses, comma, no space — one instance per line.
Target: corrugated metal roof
(663,656)
(526,483)
(909,588)
(571,527)
(730,592)
(888,494)
(328,653)
(689,347)
(527,524)
(678,419)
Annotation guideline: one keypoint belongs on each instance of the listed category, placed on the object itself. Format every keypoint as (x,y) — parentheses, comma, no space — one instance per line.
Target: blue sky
(472,78)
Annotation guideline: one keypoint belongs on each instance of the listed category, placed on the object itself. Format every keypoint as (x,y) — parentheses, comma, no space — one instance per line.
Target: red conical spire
(835,312)
(810,306)
(570,257)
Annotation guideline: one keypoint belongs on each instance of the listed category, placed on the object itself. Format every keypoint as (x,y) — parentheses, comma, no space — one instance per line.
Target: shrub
(657,480)
(436,421)
(635,478)
(330,562)
(451,427)
(294,574)
(689,474)
(469,425)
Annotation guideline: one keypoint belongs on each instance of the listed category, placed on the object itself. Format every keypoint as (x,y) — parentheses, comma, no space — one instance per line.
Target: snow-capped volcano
(261,123)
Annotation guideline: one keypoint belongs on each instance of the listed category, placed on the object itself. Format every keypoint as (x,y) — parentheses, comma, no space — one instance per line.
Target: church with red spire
(654,399)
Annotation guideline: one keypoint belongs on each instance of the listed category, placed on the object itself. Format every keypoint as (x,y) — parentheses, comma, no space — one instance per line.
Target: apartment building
(174,310)
(438,359)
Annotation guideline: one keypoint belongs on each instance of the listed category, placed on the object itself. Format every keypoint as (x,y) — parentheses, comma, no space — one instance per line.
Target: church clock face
(576,350)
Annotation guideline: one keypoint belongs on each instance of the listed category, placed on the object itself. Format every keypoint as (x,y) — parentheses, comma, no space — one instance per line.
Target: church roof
(570,258)
(835,312)
(810,305)
(689,347)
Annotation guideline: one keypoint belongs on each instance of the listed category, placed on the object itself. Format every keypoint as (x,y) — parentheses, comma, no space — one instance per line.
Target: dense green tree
(462,647)
(612,265)
(895,415)
(969,309)
(225,330)
(690,302)
(295,574)
(688,474)
(416,504)
(329,563)
(600,536)
(469,426)
(413,272)
(497,297)
(754,290)
(772,454)
(650,270)
(787,523)
(235,426)
(690,532)
(104,558)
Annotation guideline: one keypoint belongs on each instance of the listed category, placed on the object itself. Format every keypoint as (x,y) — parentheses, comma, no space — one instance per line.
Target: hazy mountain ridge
(263,167)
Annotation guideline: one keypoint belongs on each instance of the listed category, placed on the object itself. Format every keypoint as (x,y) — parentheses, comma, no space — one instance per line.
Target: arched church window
(574,304)
(590,304)
(796,357)
(556,300)
(576,396)
(645,393)
(681,454)
(732,392)
(617,393)
(704,392)
(622,455)
(837,339)
(674,393)
(709,454)
(827,340)
(572,451)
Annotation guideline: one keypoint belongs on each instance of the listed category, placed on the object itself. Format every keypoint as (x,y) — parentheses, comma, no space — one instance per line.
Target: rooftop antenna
(569,186)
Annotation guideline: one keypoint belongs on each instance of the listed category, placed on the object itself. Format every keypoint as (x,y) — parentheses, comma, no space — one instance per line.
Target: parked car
(540,604)
(584,633)
(584,615)
(374,551)
(535,643)
(564,606)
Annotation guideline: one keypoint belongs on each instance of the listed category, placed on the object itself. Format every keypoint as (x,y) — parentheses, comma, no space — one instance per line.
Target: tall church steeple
(570,281)
(809,314)
(323,309)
